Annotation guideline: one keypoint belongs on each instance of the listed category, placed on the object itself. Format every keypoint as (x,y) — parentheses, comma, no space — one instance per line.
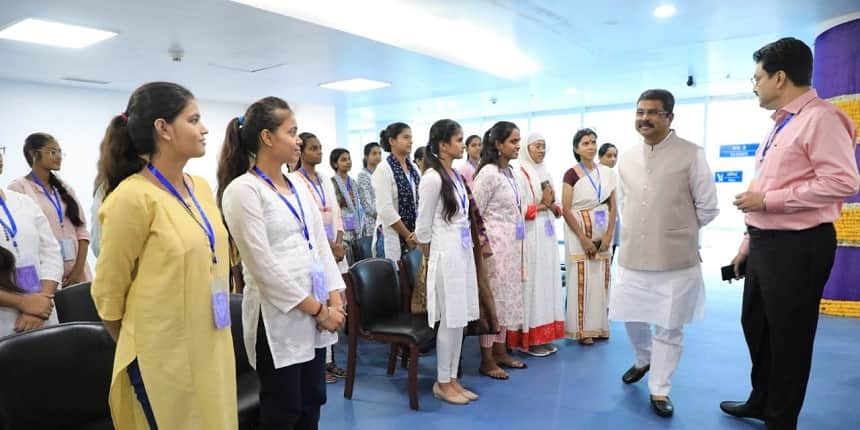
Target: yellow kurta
(154,273)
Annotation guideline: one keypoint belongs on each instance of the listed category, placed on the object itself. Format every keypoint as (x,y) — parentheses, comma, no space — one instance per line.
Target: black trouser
(290,397)
(786,273)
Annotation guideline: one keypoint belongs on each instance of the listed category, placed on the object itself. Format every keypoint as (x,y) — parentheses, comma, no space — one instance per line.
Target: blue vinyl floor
(580,387)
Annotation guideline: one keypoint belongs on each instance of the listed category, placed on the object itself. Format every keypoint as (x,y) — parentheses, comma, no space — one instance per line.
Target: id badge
(466,237)
(349,222)
(67,248)
(220,303)
(26,275)
(318,285)
(328,222)
(600,218)
(549,227)
(521,230)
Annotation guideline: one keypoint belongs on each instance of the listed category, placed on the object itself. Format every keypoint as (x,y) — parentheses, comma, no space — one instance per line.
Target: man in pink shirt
(805,168)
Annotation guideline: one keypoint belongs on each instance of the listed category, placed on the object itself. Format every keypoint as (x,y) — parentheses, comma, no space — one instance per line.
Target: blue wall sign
(729,176)
(742,150)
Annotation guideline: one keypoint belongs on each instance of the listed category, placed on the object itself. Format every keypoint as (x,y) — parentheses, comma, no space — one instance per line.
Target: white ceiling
(609,50)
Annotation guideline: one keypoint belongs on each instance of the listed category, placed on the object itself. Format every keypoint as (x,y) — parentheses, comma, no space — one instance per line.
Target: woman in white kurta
(499,199)
(395,182)
(38,265)
(320,187)
(588,201)
(283,245)
(444,234)
(542,295)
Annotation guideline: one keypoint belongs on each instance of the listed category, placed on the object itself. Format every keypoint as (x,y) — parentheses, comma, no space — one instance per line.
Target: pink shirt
(467,170)
(809,169)
(67,230)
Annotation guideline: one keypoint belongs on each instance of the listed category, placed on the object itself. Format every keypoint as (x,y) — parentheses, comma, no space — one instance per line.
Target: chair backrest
(75,304)
(363,249)
(412,265)
(242,364)
(57,377)
(376,289)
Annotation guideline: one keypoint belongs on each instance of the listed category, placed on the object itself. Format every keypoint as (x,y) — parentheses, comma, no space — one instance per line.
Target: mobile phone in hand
(729,271)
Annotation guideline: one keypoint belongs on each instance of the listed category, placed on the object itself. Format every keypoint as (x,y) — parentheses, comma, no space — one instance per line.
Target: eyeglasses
(651,112)
(55,152)
(754,80)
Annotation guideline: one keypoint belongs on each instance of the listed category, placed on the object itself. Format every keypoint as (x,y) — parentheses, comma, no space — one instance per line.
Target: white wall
(77,118)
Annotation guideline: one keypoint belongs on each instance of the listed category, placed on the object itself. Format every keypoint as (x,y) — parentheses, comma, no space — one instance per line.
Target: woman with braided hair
(59,203)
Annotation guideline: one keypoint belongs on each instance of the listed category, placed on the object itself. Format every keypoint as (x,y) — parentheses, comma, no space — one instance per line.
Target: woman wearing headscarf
(542,296)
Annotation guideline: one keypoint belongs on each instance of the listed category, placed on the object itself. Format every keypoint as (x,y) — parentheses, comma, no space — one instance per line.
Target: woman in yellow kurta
(161,269)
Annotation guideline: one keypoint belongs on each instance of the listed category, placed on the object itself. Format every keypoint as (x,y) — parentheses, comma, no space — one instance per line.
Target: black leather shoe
(634,374)
(741,410)
(663,408)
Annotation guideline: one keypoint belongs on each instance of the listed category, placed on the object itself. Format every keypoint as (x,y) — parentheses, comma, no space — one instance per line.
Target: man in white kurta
(668,195)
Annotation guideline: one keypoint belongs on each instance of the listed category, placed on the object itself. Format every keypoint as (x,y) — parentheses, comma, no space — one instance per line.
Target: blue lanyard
(54,199)
(513,185)
(206,226)
(597,187)
(319,189)
(471,163)
(11,228)
(773,135)
(301,219)
(461,190)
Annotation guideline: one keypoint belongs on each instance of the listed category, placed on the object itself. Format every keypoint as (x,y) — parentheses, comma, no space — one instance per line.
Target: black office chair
(57,377)
(75,304)
(363,249)
(247,382)
(377,314)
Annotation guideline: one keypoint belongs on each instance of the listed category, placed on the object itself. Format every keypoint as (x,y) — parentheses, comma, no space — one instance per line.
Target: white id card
(67,248)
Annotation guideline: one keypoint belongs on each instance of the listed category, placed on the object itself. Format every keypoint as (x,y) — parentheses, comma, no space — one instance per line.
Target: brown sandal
(494,373)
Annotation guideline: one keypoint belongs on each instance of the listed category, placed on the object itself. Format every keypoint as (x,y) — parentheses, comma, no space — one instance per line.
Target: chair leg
(392,358)
(404,363)
(413,376)
(351,356)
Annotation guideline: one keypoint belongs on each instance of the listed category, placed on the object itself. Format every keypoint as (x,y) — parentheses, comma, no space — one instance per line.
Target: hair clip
(240,120)
(124,116)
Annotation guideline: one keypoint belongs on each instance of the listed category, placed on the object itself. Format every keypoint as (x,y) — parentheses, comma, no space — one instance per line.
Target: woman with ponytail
(32,268)
(288,313)
(395,183)
(445,237)
(59,203)
(161,276)
(499,199)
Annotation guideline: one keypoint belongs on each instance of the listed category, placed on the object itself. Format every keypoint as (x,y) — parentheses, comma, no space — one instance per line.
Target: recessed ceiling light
(355,85)
(570,91)
(415,27)
(54,33)
(664,11)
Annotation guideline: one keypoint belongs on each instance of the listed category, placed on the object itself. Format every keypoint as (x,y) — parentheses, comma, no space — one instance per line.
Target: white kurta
(276,267)
(451,267)
(36,240)
(543,305)
(387,208)
(671,298)
(331,205)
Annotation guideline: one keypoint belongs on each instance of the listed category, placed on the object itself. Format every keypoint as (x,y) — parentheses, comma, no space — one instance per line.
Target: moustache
(641,123)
